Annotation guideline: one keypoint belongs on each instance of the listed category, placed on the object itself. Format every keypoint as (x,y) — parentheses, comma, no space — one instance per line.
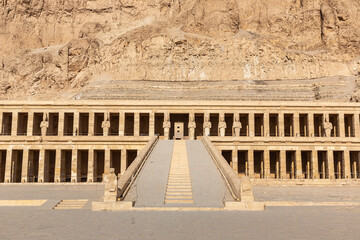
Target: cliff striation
(248,48)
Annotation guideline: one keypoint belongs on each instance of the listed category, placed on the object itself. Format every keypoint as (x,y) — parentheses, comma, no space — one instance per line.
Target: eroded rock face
(52,47)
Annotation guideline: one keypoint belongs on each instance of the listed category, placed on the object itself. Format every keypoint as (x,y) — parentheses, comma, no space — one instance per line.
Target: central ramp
(179,174)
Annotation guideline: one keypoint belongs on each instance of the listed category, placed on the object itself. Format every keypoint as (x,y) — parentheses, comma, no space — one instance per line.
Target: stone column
(222,125)
(8,165)
(30,124)
(266,126)
(74,165)
(342,125)
(41,175)
(207,124)
(76,123)
(14,123)
(330,163)
(357,124)
(298,164)
(61,123)
(283,164)
(251,163)
(315,165)
(347,168)
(121,124)
(192,126)
(123,160)
(91,124)
(90,177)
(296,124)
(58,165)
(152,124)
(62,166)
(311,124)
(44,125)
(251,125)
(1,123)
(25,166)
(267,163)
(136,124)
(235,160)
(166,126)
(281,125)
(107,161)
(236,125)
(328,127)
(105,125)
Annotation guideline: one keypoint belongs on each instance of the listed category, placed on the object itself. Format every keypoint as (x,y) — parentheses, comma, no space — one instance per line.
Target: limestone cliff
(248,48)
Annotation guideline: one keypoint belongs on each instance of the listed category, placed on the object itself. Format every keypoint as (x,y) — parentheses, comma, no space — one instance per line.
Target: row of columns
(298,174)
(59,157)
(207,125)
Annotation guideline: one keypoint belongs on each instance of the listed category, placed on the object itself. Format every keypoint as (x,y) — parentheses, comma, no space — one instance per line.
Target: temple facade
(79,141)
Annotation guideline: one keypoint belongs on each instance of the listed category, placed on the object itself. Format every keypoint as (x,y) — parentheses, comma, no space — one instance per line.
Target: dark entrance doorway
(179,118)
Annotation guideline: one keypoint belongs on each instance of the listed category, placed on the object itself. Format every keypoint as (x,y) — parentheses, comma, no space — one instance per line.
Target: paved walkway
(179,174)
(208,186)
(273,223)
(150,187)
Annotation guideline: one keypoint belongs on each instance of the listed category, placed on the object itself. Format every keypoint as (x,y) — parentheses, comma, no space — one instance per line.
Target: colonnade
(294,164)
(244,124)
(63,164)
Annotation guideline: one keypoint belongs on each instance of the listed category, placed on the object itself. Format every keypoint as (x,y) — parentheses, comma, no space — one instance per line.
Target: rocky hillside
(68,48)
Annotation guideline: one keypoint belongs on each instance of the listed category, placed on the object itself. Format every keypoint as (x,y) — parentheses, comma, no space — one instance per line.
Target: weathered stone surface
(56,48)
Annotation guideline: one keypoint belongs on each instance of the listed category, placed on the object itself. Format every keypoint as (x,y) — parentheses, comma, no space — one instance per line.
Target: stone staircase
(178,189)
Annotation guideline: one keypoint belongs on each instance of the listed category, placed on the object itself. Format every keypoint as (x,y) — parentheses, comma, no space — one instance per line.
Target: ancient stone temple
(274,85)
(78,141)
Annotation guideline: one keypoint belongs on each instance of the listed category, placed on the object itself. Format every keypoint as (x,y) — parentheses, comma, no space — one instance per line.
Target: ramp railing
(135,167)
(231,178)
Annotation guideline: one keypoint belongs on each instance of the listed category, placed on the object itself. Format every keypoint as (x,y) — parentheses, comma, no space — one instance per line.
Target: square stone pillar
(311,125)
(251,163)
(62,167)
(251,125)
(107,161)
(76,123)
(74,164)
(1,122)
(296,124)
(283,164)
(14,123)
(235,160)
(266,125)
(58,165)
(136,124)
(266,163)
(61,124)
(281,125)
(8,165)
(25,166)
(91,123)
(342,125)
(347,169)
(151,124)
(330,163)
(121,123)
(315,164)
(123,160)
(90,177)
(298,164)
(30,124)
(357,124)
(41,175)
